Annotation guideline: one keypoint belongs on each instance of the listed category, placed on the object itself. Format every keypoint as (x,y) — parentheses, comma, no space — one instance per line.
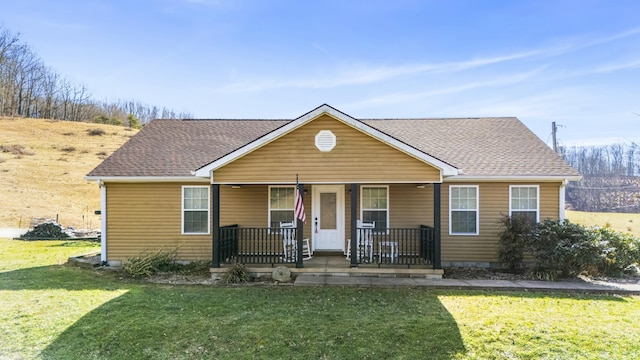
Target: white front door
(328,217)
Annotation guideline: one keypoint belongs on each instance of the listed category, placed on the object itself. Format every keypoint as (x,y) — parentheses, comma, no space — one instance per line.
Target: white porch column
(103,221)
(561,201)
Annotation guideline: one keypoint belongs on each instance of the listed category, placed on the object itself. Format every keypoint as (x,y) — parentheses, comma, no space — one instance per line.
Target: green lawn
(53,311)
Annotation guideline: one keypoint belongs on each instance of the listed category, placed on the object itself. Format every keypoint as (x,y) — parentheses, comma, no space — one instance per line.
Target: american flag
(299,209)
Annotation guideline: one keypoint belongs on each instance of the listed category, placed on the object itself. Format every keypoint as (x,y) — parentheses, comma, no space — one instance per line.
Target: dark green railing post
(300,233)
(437,260)
(354,226)
(215,226)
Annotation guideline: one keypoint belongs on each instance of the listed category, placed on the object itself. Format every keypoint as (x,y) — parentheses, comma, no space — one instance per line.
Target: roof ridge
(445,118)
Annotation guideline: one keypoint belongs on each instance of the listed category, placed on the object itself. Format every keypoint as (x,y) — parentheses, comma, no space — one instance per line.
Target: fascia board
(545,178)
(145,179)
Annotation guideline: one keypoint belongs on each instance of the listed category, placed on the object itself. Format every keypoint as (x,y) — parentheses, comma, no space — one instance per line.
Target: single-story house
(415,192)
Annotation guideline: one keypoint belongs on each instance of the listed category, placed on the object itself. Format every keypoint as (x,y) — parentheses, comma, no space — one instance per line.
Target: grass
(52,311)
(61,153)
(629,223)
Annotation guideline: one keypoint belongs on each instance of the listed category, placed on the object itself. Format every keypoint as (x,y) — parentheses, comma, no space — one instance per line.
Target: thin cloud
(369,75)
(617,67)
(363,75)
(403,97)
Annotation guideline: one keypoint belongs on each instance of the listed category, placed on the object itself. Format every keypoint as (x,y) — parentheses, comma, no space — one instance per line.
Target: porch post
(354,224)
(437,260)
(300,232)
(215,226)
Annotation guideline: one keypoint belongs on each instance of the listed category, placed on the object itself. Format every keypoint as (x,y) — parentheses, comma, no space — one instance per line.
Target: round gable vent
(325,140)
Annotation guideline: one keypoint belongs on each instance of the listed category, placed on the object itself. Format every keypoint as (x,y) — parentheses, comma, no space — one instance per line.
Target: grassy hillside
(621,222)
(42,169)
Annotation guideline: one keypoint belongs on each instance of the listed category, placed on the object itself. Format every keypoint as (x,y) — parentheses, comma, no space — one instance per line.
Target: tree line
(29,88)
(610,178)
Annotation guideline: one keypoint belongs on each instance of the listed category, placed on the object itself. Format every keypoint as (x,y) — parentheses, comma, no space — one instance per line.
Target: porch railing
(393,246)
(396,246)
(256,245)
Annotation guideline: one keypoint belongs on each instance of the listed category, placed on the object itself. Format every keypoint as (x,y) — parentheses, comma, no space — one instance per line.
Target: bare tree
(611,178)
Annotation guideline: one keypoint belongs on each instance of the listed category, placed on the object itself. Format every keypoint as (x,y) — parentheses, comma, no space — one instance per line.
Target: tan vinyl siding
(146,216)
(143,217)
(357,157)
(410,206)
(494,203)
(247,206)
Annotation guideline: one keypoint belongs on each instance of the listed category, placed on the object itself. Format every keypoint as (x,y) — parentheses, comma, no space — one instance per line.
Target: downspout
(562,194)
(103,221)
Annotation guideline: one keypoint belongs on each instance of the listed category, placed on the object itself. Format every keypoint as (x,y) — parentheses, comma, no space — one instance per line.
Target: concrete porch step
(216,273)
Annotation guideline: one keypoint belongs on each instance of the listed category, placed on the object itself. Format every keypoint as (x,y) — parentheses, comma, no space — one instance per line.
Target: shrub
(561,248)
(104,119)
(96,132)
(564,247)
(620,251)
(134,123)
(146,263)
(17,150)
(235,275)
(513,240)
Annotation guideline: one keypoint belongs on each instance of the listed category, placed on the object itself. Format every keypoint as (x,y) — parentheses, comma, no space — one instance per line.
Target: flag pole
(299,215)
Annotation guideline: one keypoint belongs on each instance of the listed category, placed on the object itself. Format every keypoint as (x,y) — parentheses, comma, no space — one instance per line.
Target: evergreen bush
(620,251)
(513,240)
(565,247)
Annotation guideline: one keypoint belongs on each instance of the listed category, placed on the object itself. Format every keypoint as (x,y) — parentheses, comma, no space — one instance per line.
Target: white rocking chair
(290,243)
(364,241)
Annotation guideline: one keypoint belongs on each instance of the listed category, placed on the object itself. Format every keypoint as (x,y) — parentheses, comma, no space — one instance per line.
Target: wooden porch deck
(338,265)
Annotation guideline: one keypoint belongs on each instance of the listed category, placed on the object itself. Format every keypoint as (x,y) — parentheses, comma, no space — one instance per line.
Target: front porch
(362,250)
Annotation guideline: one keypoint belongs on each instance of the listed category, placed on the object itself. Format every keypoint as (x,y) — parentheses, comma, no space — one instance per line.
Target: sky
(575,62)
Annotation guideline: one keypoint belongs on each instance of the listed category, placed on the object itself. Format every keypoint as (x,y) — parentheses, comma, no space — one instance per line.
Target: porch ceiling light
(325,140)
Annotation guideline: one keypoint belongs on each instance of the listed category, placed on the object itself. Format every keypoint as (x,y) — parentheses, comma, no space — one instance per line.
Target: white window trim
(388,202)
(537,200)
(477,210)
(208,210)
(269,203)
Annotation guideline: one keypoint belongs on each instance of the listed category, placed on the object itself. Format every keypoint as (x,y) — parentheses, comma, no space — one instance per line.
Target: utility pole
(554,129)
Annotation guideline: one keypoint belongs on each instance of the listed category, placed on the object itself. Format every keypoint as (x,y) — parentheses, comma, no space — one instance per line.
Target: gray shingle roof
(477,146)
(177,147)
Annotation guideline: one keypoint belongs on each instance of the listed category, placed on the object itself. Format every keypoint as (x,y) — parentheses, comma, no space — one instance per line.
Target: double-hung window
(195,210)
(374,206)
(524,201)
(281,205)
(463,210)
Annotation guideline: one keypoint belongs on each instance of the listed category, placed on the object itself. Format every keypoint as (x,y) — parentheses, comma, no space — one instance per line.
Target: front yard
(54,311)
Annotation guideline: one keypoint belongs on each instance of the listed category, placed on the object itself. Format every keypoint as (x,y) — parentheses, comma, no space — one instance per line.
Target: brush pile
(46,231)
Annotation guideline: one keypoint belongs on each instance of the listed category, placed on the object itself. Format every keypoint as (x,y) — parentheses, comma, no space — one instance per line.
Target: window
(524,200)
(281,205)
(374,206)
(463,210)
(195,210)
